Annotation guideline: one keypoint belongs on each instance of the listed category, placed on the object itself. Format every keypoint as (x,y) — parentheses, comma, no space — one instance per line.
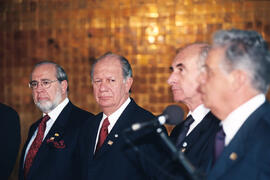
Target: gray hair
(126,68)
(248,51)
(60,72)
(203,53)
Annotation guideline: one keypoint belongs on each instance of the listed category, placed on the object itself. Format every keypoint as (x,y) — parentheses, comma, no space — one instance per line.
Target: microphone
(172,115)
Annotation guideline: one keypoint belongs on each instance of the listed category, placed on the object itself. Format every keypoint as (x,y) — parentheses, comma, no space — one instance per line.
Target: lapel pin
(116,135)
(184,144)
(110,142)
(56,134)
(233,156)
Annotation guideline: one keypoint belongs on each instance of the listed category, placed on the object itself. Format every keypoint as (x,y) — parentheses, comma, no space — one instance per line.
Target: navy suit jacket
(116,159)
(247,156)
(11,139)
(54,161)
(198,145)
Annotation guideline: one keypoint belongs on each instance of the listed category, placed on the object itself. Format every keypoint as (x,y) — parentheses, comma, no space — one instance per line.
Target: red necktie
(35,145)
(103,133)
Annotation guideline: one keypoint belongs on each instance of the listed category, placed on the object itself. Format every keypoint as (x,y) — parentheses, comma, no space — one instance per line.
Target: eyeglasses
(46,83)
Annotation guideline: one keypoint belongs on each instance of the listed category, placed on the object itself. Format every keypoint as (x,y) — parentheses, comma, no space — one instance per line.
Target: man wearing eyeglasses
(49,149)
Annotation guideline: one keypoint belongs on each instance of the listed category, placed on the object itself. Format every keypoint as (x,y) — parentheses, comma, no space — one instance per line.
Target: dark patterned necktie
(219,143)
(35,145)
(189,120)
(103,133)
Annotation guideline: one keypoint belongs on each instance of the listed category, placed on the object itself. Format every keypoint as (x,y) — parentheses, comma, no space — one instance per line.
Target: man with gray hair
(103,149)
(49,149)
(195,135)
(233,84)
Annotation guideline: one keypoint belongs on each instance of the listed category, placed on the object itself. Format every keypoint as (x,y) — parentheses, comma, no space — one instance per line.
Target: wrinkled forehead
(108,62)
(186,59)
(108,66)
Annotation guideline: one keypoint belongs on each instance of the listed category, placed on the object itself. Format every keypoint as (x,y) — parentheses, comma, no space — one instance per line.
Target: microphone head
(175,114)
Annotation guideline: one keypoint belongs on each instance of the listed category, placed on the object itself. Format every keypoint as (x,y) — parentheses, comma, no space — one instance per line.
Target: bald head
(195,51)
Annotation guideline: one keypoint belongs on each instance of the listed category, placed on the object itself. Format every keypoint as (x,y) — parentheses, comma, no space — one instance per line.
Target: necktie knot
(45,118)
(106,123)
(220,134)
(42,125)
(188,121)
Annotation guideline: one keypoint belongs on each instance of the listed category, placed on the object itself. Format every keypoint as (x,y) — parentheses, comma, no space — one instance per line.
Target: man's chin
(178,99)
(44,106)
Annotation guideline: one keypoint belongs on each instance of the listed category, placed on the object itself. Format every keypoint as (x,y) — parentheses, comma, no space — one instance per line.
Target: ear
(128,83)
(64,86)
(238,78)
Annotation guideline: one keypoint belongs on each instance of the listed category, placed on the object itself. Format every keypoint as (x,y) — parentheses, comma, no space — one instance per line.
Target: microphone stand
(138,151)
(192,171)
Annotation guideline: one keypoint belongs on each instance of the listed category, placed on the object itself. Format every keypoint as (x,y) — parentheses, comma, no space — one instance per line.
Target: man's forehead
(44,69)
(179,59)
(184,59)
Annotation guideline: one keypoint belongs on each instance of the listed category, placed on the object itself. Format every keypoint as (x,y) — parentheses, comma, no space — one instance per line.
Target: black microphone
(172,115)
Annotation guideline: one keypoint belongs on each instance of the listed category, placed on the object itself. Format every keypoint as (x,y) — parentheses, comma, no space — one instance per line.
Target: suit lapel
(200,129)
(236,149)
(232,154)
(92,136)
(58,127)
(30,134)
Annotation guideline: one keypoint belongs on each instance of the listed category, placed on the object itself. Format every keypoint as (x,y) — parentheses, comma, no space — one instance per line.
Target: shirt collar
(57,110)
(199,113)
(232,123)
(115,116)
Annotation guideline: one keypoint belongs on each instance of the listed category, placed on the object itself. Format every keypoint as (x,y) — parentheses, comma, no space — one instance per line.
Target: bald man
(195,135)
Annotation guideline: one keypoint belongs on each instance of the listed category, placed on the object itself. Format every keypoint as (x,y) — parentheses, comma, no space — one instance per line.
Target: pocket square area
(56,144)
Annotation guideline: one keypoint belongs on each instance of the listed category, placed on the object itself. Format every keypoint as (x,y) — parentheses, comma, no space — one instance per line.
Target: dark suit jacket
(198,145)
(11,139)
(248,154)
(54,161)
(116,159)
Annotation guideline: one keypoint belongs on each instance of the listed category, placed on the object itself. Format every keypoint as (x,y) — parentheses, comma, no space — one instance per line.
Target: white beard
(47,106)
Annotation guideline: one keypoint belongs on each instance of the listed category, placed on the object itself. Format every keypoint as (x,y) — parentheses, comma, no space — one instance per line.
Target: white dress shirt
(236,118)
(198,114)
(112,118)
(53,116)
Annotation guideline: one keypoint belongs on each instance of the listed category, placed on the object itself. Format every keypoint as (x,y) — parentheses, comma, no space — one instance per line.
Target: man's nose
(171,79)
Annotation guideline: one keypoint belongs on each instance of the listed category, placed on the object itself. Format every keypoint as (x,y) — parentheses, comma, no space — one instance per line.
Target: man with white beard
(49,150)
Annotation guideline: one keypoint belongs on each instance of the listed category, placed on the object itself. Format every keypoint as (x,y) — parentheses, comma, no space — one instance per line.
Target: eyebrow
(40,80)
(180,65)
(205,66)
(177,66)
